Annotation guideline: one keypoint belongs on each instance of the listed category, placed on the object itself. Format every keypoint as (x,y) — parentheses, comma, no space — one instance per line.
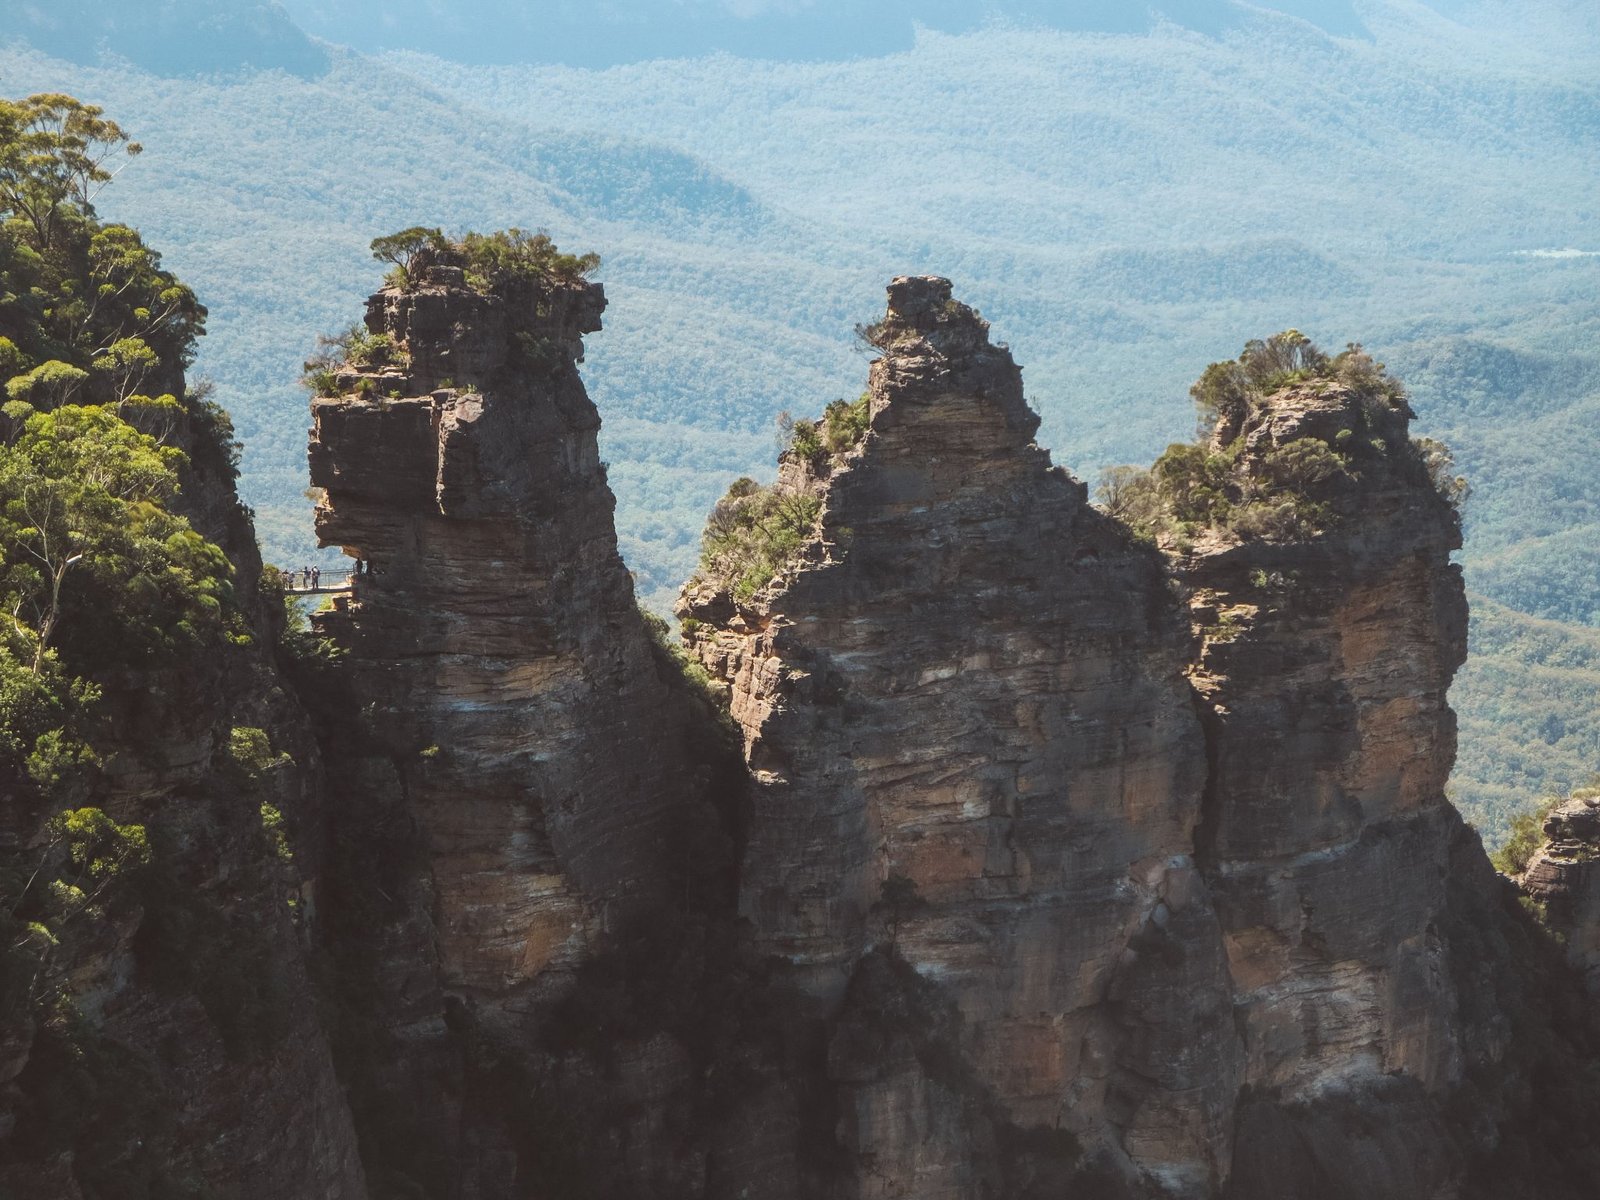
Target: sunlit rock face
(508,739)
(973,681)
(1174,884)
(1564,878)
(1068,862)
(1325,656)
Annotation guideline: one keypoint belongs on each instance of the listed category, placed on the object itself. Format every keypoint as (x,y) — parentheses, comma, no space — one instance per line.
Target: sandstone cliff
(974,682)
(1563,879)
(511,763)
(1046,853)
(1198,935)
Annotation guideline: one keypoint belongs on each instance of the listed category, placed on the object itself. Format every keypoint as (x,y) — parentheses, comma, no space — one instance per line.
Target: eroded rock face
(184,1050)
(1324,666)
(1325,657)
(973,682)
(507,744)
(1564,877)
(1189,920)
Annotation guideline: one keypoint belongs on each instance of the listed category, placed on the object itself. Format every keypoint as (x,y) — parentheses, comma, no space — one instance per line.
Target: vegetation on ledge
(754,532)
(488,259)
(97,573)
(1281,493)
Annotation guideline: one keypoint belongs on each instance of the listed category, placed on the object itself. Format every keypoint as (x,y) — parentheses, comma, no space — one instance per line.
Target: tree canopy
(97,571)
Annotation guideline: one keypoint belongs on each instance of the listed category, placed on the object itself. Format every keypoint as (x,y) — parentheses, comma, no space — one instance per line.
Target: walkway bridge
(299,583)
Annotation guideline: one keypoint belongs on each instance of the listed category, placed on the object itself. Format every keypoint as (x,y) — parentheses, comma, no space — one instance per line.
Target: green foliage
(53,382)
(53,151)
(1226,391)
(845,424)
(688,668)
(45,718)
(1282,493)
(272,824)
(363,349)
(353,347)
(1441,464)
(251,753)
(515,254)
(1195,484)
(1527,835)
(805,440)
(755,532)
(402,248)
(91,557)
(98,849)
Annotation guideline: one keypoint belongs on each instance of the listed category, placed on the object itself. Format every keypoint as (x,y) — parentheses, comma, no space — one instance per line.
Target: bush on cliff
(516,253)
(753,533)
(488,259)
(1280,494)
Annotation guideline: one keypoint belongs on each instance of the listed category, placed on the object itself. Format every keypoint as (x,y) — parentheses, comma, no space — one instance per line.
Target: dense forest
(1121,205)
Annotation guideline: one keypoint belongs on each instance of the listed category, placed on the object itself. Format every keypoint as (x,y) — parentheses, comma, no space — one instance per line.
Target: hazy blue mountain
(1123,207)
(610,32)
(167,37)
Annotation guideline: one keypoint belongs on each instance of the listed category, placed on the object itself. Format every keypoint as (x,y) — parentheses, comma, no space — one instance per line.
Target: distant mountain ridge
(505,31)
(170,37)
(1121,207)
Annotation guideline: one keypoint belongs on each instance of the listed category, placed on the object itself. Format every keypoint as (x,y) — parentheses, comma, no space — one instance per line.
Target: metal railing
(301,583)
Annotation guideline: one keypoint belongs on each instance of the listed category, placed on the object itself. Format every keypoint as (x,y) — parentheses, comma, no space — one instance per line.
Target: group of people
(309,578)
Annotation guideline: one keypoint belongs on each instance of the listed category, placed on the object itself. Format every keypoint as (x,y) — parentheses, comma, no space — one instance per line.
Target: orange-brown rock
(973,681)
(508,752)
(1563,877)
(1328,638)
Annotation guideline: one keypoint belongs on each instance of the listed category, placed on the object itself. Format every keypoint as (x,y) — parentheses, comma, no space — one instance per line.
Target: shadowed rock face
(1323,666)
(975,681)
(1066,866)
(1564,877)
(505,734)
(187,1051)
(1142,894)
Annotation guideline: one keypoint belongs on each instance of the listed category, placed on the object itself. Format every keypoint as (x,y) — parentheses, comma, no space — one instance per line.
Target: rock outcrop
(1563,878)
(1182,902)
(1061,859)
(509,760)
(1327,644)
(184,1051)
(971,689)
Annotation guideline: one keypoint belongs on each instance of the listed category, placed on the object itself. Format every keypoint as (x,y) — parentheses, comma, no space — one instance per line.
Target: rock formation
(974,683)
(1041,852)
(1563,878)
(186,1054)
(1326,647)
(509,761)
(1198,929)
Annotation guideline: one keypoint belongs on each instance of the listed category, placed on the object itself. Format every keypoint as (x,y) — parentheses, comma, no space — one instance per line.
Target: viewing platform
(297,583)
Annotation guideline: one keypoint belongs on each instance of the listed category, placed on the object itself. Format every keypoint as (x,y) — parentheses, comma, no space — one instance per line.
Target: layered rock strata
(1193,922)
(966,701)
(1327,645)
(508,750)
(184,1053)
(1563,878)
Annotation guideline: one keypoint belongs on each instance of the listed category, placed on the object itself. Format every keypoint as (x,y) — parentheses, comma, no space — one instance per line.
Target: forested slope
(1119,206)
